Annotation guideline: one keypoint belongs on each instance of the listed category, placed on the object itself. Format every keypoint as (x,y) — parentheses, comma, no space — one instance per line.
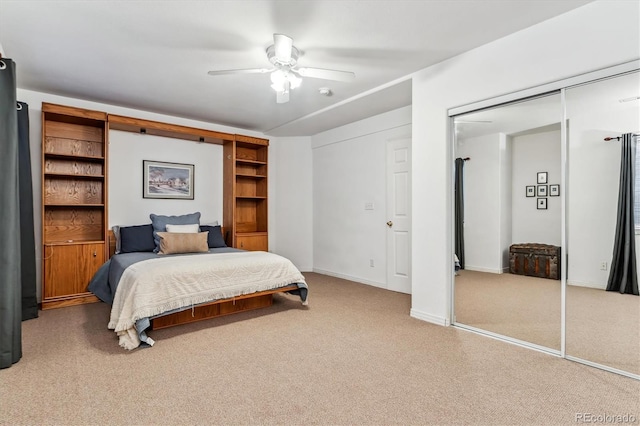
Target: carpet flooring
(354,356)
(601,327)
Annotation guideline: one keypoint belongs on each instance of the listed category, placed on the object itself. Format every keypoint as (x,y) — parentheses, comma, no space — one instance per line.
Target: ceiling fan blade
(242,71)
(326,74)
(283,45)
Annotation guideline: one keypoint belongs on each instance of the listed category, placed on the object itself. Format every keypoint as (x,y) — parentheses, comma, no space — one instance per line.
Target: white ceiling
(539,114)
(545,113)
(154,55)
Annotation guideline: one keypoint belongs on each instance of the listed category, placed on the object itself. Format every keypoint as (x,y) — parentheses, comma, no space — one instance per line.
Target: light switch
(368,206)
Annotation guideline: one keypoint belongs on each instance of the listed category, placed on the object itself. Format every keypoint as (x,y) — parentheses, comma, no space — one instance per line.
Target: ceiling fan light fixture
(294,81)
(285,75)
(280,77)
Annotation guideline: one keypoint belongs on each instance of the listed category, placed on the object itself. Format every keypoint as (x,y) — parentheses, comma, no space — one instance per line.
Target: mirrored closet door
(602,327)
(509,220)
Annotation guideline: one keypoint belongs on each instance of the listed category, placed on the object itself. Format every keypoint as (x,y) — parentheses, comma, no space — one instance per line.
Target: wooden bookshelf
(245,201)
(74,202)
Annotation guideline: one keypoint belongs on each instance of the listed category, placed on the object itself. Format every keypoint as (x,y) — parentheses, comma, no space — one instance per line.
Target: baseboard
(588,285)
(482,269)
(350,278)
(433,319)
(304,269)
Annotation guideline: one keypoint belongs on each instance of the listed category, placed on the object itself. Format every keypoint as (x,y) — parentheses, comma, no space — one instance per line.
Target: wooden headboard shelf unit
(245,164)
(175,131)
(75,180)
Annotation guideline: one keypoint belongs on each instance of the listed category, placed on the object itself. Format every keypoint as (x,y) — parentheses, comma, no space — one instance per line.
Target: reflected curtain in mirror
(623,275)
(459,211)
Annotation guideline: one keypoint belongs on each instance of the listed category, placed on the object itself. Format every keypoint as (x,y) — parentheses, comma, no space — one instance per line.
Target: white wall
(482,203)
(506,196)
(573,43)
(290,200)
(594,112)
(126,160)
(533,153)
(497,211)
(349,170)
(127,151)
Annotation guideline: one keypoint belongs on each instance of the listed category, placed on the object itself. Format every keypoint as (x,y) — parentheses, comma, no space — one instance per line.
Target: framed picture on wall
(542,177)
(531,191)
(554,190)
(542,203)
(542,190)
(167,180)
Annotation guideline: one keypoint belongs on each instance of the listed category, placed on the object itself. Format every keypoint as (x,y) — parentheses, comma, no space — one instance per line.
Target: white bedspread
(155,286)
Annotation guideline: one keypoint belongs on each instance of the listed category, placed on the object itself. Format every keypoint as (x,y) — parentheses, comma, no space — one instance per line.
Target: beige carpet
(602,327)
(352,357)
(525,308)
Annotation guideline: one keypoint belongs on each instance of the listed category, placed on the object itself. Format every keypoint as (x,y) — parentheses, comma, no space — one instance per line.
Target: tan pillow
(174,243)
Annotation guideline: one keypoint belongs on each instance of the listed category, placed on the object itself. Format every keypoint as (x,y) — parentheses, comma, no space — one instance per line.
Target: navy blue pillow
(215,238)
(136,238)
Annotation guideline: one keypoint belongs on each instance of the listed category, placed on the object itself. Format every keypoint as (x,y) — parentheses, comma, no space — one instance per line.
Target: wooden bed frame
(218,308)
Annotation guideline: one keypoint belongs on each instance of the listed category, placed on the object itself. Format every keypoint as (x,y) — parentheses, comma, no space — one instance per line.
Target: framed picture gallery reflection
(167,180)
(531,191)
(554,190)
(542,178)
(542,190)
(542,203)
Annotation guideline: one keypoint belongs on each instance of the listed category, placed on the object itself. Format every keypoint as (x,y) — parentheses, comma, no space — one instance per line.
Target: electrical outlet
(371,262)
(603,266)
(368,206)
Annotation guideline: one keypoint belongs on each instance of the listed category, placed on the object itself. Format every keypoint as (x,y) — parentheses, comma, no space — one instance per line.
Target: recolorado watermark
(593,418)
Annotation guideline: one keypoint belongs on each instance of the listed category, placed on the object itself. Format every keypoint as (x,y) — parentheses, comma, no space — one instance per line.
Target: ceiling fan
(285,74)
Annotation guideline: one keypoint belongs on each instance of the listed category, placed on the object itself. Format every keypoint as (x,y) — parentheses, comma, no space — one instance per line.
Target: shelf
(72,242)
(250,176)
(67,114)
(245,204)
(148,127)
(72,175)
(74,205)
(74,202)
(259,163)
(73,157)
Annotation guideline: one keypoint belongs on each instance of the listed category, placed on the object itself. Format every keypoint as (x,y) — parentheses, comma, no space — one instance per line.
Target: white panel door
(399,215)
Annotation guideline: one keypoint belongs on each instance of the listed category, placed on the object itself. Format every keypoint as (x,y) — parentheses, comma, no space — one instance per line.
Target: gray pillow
(160,224)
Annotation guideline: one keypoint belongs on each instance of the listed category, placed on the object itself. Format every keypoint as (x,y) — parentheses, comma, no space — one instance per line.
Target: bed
(148,290)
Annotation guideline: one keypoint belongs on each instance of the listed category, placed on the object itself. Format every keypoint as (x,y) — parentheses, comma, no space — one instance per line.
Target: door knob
(390,224)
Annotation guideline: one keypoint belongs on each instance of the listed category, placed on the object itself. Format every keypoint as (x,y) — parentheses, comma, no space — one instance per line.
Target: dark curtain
(27,238)
(459,210)
(623,275)
(10,263)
